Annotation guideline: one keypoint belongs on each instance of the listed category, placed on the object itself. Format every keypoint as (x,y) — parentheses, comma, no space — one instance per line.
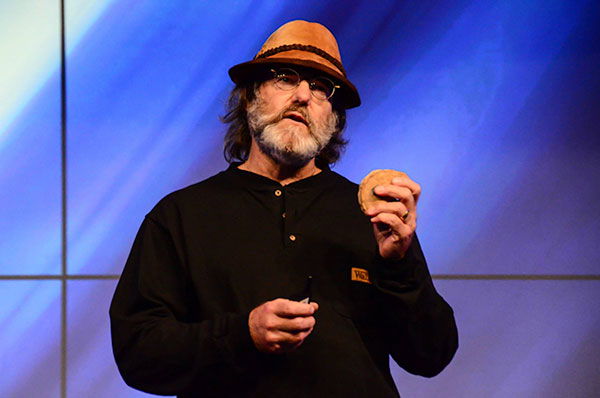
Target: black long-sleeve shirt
(208,254)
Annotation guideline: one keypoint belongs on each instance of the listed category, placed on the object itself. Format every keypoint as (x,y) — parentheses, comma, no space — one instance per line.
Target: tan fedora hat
(307,44)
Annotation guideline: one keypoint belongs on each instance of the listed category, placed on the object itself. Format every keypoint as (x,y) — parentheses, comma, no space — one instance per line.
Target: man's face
(293,126)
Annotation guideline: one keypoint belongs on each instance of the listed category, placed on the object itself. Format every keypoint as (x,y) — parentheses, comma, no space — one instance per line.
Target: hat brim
(346,96)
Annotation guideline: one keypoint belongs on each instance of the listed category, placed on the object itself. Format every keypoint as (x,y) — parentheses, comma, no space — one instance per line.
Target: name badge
(360,275)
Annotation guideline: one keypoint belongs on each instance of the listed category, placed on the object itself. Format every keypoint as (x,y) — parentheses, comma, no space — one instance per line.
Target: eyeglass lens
(288,79)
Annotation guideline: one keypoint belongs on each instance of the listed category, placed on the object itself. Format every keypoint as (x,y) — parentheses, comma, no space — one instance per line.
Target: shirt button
(278,192)
(293,238)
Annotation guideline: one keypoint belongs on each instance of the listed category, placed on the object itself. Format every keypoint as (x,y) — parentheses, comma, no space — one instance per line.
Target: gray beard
(290,145)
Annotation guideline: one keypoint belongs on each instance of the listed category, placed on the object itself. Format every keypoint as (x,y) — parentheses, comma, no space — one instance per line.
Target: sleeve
(160,343)
(418,323)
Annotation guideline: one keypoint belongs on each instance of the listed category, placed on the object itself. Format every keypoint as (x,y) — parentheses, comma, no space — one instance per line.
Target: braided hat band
(303,47)
(306,44)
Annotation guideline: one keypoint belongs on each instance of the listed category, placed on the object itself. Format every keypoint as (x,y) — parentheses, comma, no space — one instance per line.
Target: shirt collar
(255,181)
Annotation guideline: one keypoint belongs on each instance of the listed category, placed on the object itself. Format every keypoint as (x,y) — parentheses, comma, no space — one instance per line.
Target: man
(267,280)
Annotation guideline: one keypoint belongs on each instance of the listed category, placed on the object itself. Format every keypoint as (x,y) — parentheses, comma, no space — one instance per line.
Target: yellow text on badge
(360,275)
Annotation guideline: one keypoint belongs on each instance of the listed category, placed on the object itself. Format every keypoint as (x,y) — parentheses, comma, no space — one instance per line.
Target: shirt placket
(289,236)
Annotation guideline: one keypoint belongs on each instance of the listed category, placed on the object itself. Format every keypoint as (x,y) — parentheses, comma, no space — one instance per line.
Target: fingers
(396,194)
(296,325)
(291,325)
(399,211)
(401,188)
(281,325)
(380,206)
(404,193)
(291,309)
(292,316)
(395,217)
(279,342)
(405,181)
(395,223)
(285,338)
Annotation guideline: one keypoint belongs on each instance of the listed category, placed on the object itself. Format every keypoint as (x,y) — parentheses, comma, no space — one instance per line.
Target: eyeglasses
(288,79)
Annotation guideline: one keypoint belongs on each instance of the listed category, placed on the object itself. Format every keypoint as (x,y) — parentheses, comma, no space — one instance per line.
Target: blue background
(492,106)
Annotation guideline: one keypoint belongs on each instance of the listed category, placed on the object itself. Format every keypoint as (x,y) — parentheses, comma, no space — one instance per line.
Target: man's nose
(302,93)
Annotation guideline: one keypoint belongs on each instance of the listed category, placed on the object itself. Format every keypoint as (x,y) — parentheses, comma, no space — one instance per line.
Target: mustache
(293,108)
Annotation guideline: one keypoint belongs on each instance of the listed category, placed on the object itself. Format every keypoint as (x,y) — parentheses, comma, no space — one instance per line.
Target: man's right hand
(281,325)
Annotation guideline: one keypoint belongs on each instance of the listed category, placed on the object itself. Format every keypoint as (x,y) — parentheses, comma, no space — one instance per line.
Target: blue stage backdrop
(493,106)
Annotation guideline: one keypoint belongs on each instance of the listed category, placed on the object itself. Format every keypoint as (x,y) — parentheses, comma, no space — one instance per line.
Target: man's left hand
(394,221)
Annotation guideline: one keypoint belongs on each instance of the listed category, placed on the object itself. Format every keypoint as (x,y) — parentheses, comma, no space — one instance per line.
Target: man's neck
(264,165)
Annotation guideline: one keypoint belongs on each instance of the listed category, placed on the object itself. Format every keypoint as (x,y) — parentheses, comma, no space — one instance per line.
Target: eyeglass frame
(310,82)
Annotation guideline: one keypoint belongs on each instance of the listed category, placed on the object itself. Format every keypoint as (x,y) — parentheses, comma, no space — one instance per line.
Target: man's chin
(290,159)
(286,156)
(287,146)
